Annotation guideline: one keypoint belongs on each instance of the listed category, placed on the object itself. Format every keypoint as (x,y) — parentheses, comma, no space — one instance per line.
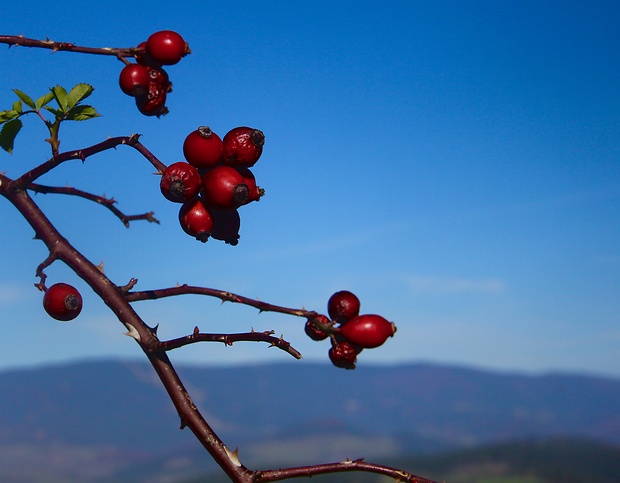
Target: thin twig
(224,296)
(229,339)
(344,466)
(111,143)
(18,40)
(102,200)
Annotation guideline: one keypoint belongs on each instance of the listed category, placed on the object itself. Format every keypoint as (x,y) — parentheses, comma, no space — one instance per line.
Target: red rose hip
(166,47)
(134,80)
(226,224)
(62,302)
(180,182)
(343,306)
(196,220)
(225,187)
(367,331)
(153,103)
(343,355)
(203,148)
(313,331)
(254,192)
(243,146)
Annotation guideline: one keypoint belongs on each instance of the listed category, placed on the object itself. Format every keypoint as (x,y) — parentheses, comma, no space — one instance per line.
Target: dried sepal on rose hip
(367,331)
(343,355)
(180,182)
(203,148)
(243,146)
(342,306)
(166,47)
(196,219)
(62,302)
(254,192)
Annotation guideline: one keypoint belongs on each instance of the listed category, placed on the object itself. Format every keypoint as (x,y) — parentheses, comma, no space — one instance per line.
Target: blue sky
(455,164)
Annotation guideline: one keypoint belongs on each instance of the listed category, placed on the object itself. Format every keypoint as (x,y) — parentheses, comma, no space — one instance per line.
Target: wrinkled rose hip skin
(203,148)
(62,302)
(225,187)
(180,182)
(343,306)
(343,355)
(166,47)
(367,331)
(196,220)
(313,331)
(153,102)
(243,146)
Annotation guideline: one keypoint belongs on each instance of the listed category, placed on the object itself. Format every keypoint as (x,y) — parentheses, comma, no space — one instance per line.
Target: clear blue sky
(455,164)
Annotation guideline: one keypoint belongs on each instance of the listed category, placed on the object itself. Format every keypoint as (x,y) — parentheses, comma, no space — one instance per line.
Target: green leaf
(17,107)
(57,112)
(60,94)
(25,98)
(78,94)
(8,115)
(8,133)
(81,113)
(43,100)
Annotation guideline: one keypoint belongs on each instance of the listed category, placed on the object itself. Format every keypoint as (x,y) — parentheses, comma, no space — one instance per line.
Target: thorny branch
(118,298)
(19,40)
(223,295)
(341,467)
(102,200)
(229,339)
(28,178)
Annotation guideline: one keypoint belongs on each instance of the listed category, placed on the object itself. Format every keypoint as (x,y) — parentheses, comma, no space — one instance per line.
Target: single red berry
(180,182)
(166,47)
(154,102)
(160,77)
(143,57)
(62,302)
(243,146)
(254,192)
(226,224)
(203,148)
(314,331)
(196,219)
(368,331)
(225,187)
(134,80)
(343,306)
(343,355)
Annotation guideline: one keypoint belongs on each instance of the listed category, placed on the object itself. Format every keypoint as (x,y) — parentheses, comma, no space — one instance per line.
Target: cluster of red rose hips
(62,302)
(146,80)
(215,181)
(349,332)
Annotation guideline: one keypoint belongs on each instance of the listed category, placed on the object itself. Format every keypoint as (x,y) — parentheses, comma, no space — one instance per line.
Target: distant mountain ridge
(296,410)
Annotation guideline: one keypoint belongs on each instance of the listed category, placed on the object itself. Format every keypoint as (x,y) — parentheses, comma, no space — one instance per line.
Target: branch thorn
(233,456)
(132,332)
